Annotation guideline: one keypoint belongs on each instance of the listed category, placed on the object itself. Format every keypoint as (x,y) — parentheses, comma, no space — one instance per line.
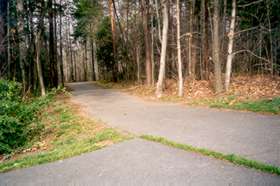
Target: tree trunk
(190,42)
(113,29)
(159,89)
(61,49)
(38,50)
(138,53)
(3,11)
(204,38)
(230,46)
(180,69)
(158,20)
(216,48)
(8,41)
(152,50)
(20,27)
(145,15)
(52,52)
(96,68)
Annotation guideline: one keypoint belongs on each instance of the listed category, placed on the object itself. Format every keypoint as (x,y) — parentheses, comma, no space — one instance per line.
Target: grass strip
(66,150)
(235,159)
(271,106)
(65,133)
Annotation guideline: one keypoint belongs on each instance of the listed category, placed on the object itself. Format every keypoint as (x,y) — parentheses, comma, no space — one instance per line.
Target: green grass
(235,159)
(64,150)
(66,134)
(265,106)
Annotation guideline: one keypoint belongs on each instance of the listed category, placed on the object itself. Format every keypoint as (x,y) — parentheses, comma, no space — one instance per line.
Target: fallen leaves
(242,88)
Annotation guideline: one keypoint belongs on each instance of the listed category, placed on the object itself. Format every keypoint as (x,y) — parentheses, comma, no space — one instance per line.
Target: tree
(61,73)
(216,47)
(113,28)
(20,29)
(146,18)
(230,46)
(180,69)
(52,46)
(38,48)
(161,74)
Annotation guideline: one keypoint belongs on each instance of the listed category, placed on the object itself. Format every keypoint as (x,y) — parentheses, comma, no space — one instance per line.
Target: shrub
(9,90)
(18,118)
(12,133)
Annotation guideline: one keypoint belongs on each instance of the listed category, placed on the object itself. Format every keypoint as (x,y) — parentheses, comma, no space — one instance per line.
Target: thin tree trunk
(138,64)
(191,57)
(8,40)
(204,37)
(145,15)
(113,29)
(216,48)
(158,20)
(152,50)
(61,48)
(96,68)
(85,61)
(159,89)
(52,47)
(92,60)
(180,69)
(270,37)
(20,27)
(38,50)
(230,45)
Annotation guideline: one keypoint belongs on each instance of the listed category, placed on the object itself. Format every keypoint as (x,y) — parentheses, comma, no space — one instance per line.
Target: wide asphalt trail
(251,135)
(140,162)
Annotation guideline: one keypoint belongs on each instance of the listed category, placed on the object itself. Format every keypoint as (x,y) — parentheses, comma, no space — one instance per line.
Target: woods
(47,43)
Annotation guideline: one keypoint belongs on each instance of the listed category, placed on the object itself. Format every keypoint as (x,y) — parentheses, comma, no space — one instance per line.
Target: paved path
(251,135)
(138,162)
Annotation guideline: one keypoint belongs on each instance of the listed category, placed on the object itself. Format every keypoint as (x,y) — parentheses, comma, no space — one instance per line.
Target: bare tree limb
(252,53)
(249,4)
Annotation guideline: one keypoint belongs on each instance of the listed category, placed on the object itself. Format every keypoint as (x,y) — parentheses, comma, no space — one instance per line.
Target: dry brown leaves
(242,87)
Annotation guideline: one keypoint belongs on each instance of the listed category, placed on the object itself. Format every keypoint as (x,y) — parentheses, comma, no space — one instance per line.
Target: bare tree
(230,45)
(216,47)
(161,75)
(20,27)
(180,69)
(38,49)
(145,14)
(61,73)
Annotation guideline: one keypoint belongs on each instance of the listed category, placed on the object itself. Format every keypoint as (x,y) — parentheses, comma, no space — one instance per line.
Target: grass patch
(66,133)
(263,106)
(238,160)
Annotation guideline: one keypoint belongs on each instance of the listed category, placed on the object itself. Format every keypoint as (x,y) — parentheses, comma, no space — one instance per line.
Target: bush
(10,90)
(13,133)
(18,118)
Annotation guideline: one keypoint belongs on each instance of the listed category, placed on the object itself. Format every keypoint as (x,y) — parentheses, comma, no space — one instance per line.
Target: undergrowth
(65,133)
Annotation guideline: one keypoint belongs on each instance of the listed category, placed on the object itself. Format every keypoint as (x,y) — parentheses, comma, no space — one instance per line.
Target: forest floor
(173,144)
(252,93)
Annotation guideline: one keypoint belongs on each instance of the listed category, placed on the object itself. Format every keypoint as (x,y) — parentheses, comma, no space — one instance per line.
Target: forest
(46,43)
(66,66)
